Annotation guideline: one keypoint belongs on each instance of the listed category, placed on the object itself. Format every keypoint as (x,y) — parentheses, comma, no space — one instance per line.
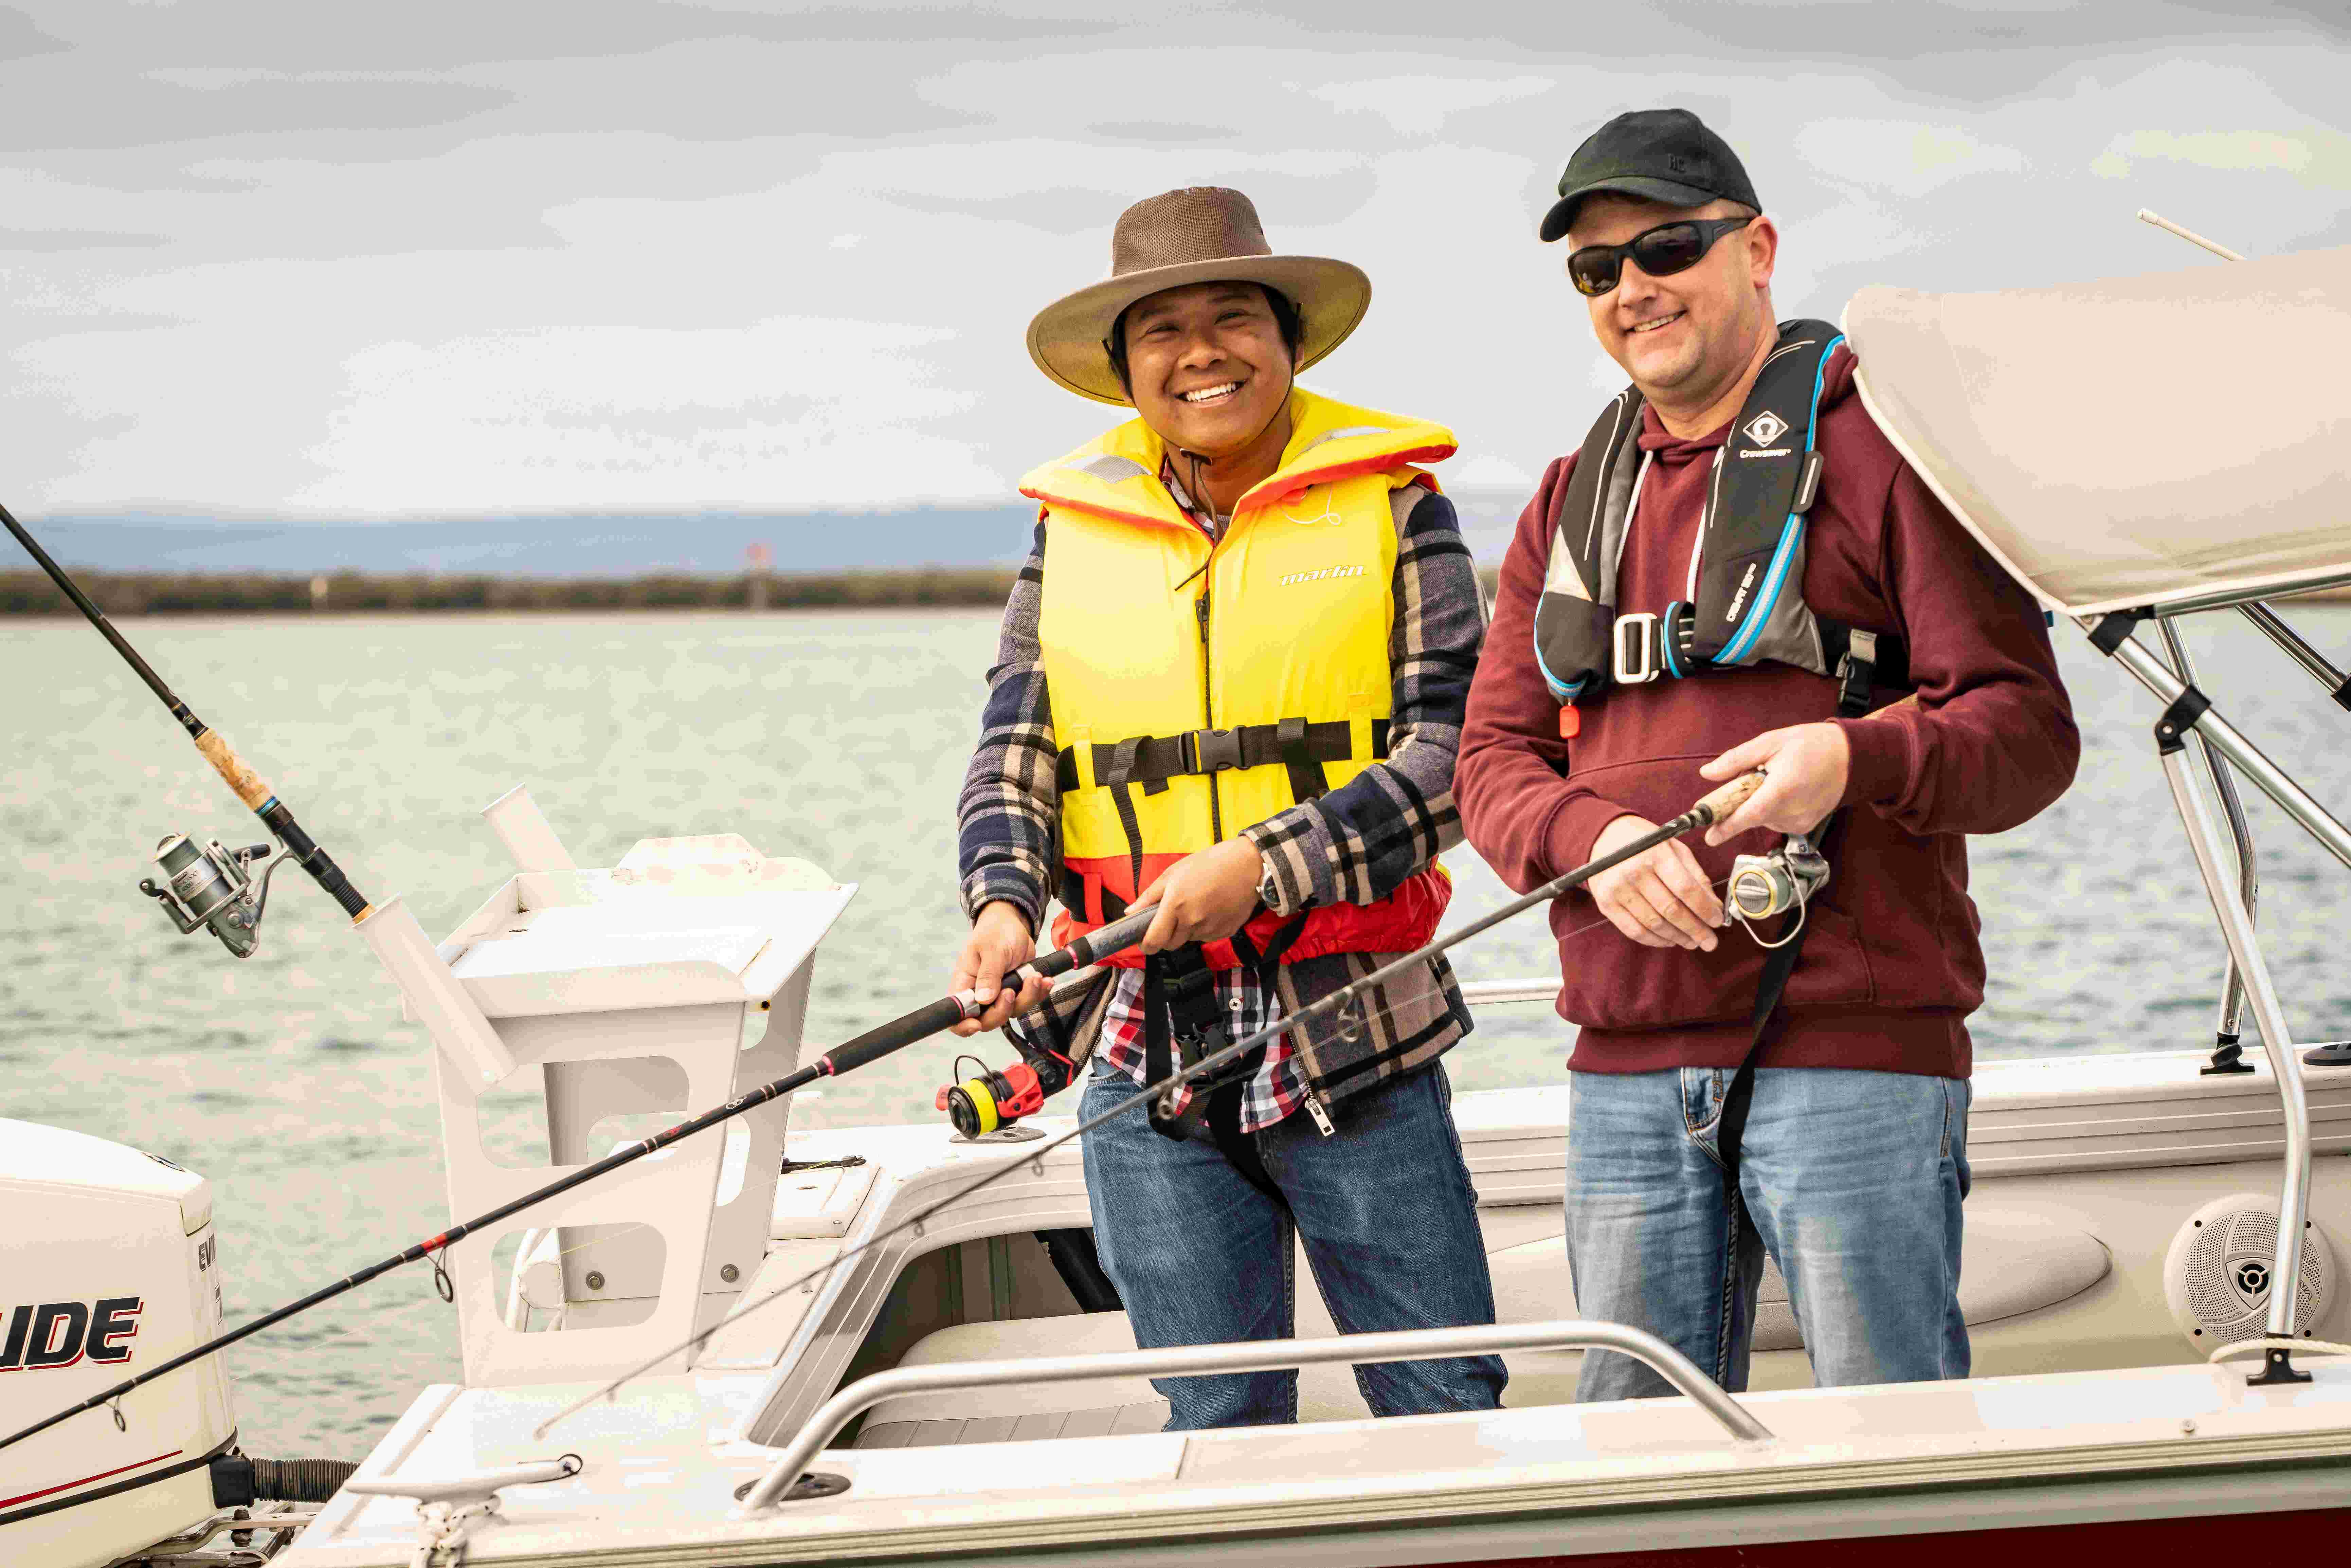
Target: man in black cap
(1737,570)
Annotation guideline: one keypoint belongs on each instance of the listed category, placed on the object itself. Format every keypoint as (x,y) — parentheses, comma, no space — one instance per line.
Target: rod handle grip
(233,770)
(897,1034)
(1093,946)
(1727,798)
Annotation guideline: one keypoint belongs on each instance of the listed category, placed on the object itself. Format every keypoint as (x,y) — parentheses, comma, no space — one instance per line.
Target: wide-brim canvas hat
(1203,235)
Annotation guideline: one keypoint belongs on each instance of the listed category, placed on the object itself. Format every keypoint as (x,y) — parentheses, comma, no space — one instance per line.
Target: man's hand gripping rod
(871,1046)
(1715,808)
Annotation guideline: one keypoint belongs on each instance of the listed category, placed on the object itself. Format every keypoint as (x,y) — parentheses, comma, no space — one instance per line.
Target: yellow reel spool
(982,1101)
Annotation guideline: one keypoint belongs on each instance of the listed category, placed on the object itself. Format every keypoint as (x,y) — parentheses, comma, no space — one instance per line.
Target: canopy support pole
(2242,753)
(2274,628)
(2237,928)
(2227,1051)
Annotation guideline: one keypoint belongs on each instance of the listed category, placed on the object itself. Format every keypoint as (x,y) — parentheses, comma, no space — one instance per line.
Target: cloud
(1067,187)
(2316,156)
(1420,105)
(18,239)
(81,103)
(1486,470)
(536,255)
(791,411)
(1908,157)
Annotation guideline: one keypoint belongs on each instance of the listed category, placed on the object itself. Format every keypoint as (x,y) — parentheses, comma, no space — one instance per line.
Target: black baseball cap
(1660,154)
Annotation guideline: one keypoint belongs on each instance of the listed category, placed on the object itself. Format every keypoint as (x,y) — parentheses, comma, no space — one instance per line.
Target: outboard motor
(106,1263)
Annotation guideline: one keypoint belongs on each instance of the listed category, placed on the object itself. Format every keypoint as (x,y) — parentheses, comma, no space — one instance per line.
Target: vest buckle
(1214,750)
(1635,636)
(1856,673)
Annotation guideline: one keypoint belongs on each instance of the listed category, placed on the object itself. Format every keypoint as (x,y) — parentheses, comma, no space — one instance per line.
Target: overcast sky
(307,258)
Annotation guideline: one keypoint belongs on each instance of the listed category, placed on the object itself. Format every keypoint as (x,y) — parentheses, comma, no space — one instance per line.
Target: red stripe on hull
(68,1486)
(2218,1537)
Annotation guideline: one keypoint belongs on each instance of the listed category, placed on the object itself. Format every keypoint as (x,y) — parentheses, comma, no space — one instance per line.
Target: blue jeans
(1202,1256)
(1852,1180)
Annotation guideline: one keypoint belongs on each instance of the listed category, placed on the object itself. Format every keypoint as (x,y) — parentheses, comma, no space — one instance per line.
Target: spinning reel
(210,886)
(992,1102)
(1764,885)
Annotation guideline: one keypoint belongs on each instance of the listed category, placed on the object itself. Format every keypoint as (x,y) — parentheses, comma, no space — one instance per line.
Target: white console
(669,983)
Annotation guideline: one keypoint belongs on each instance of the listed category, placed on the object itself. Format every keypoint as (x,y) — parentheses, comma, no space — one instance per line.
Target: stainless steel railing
(1260,1355)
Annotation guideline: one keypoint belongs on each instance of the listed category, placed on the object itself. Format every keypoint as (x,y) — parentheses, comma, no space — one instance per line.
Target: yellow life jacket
(1198,689)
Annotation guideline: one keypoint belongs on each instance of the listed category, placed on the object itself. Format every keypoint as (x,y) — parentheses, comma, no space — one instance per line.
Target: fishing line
(1033,1158)
(1716,807)
(394,930)
(896,1034)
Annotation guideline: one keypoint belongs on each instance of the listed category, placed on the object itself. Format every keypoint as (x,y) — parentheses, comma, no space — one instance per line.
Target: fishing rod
(211,888)
(1716,807)
(207,887)
(920,1024)
(239,910)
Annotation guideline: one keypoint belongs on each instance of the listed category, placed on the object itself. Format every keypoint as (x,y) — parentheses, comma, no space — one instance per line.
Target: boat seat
(2012,1263)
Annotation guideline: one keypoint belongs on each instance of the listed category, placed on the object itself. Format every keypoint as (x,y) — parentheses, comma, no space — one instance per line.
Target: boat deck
(2090,1403)
(660,1479)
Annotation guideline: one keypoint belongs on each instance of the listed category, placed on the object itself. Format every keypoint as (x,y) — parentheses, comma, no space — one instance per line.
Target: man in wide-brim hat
(1235,696)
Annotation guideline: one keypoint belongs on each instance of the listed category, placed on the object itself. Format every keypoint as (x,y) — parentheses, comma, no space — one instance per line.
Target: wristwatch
(1268,883)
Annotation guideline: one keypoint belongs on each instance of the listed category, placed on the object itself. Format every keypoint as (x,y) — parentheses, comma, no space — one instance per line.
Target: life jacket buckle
(1636,648)
(1213,750)
(1194,1018)
(1856,673)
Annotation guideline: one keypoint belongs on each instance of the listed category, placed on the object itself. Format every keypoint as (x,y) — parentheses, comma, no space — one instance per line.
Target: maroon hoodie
(1891,966)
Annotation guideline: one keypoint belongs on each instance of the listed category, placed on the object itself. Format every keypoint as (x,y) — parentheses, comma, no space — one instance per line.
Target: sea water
(840,738)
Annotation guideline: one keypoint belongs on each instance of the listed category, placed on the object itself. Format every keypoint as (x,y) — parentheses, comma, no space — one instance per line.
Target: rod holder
(523,828)
(442,1003)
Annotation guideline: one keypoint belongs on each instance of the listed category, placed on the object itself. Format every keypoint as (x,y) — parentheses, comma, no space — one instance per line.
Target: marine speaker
(2217,1274)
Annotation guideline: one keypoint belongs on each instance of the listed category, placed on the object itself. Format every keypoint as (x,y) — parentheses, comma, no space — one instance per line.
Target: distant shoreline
(29,592)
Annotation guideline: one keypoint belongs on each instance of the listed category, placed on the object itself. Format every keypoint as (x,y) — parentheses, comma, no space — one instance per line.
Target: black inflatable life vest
(1749,603)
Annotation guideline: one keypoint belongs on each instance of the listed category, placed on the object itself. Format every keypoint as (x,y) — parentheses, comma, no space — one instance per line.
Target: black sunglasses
(1661,252)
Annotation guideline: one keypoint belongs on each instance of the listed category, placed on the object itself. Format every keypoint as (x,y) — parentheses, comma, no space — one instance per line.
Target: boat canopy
(2194,439)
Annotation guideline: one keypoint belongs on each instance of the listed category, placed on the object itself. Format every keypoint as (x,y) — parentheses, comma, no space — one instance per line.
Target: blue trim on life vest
(1565,691)
(1767,598)
(1666,639)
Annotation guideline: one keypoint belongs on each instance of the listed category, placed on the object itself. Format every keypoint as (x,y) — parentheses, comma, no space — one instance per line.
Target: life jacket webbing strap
(1764,1022)
(1074,899)
(1646,647)
(1181,1021)
(1120,769)
(1158,759)
(1306,778)
(1856,673)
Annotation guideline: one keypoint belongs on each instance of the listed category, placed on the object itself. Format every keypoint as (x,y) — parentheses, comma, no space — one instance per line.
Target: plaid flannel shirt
(1357,843)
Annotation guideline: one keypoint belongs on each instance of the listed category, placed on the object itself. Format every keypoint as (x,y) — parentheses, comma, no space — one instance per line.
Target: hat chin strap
(1200,492)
